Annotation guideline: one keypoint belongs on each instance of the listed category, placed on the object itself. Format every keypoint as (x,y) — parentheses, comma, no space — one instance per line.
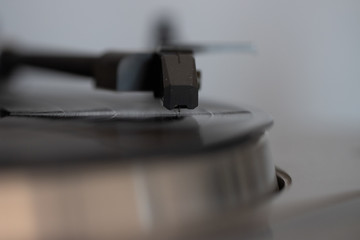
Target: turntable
(151,162)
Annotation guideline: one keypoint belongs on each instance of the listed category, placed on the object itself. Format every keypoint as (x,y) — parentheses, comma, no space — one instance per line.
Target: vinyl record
(69,124)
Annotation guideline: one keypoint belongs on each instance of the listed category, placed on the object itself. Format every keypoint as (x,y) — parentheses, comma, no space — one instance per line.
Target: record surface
(57,121)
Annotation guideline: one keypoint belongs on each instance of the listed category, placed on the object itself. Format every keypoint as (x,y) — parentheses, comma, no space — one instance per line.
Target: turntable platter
(121,165)
(68,124)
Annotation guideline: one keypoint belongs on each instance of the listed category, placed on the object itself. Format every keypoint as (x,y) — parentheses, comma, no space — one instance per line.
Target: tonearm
(169,72)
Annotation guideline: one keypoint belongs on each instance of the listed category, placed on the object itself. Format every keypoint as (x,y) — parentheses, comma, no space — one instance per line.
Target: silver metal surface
(139,200)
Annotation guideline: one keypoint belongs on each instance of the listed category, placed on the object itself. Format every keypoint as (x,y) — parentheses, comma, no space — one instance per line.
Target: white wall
(307,70)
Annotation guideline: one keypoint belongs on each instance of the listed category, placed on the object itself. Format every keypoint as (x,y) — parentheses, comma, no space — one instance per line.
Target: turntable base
(95,164)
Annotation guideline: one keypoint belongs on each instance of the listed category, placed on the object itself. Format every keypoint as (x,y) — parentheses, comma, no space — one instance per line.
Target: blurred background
(306,72)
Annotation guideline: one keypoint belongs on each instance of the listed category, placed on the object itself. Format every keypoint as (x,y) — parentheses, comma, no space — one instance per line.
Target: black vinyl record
(65,122)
